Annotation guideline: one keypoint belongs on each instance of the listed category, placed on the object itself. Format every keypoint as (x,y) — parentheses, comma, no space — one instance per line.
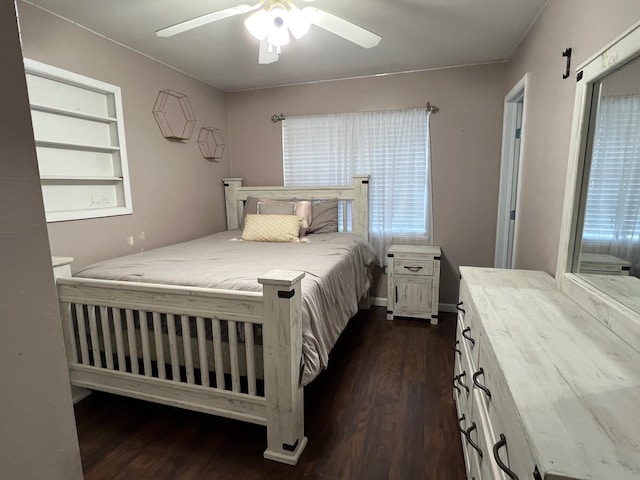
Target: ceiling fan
(271,22)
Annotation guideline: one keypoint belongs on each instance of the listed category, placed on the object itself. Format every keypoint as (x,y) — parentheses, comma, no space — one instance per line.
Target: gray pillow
(324,217)
(251,206)
(280,208)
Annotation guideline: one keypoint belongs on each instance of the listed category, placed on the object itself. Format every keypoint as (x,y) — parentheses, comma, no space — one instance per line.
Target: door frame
(518,93)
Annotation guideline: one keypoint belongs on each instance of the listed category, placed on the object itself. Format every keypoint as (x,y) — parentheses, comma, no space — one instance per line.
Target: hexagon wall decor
(174,115)
(211,143)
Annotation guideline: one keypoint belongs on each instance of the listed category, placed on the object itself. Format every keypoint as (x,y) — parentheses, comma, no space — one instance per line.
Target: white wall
(37,428)
(586,26)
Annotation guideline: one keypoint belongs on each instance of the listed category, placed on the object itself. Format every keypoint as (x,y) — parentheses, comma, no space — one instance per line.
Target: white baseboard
(443,307)
(79,393)
(379,301)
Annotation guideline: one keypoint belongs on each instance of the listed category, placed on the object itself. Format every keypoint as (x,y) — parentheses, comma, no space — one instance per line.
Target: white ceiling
(416,35)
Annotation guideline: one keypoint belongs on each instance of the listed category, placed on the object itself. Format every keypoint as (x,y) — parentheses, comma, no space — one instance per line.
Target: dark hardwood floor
(383,410)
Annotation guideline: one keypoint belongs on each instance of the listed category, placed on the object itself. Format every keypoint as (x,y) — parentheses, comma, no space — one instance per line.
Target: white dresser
(413,282)
(542,389)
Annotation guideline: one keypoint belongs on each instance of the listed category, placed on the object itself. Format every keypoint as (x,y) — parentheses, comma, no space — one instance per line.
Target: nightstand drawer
(413,266)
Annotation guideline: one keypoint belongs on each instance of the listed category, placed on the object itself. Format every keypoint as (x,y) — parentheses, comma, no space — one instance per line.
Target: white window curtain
(391,146)
(612,216)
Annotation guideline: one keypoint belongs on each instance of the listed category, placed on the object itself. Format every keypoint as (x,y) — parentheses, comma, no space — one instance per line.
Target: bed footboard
(114,342)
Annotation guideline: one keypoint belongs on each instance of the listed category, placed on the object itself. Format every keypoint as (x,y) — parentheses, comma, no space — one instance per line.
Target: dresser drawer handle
(462,430)
(459,307)
(471,442)
(464,332)
(413,269)
(455,344)
(453,382)
(478,384)
(458,378)
(496,454)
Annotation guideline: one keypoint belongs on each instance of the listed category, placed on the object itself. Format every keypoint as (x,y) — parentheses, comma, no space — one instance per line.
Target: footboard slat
(106,336)
(173,347)
(82,333)
(202,352)
(69,332)
(157,333)
(188,354)
(144,338)
(251,358)
(117,327)
(133,348)
(233,353)
(217,352)
(93,332)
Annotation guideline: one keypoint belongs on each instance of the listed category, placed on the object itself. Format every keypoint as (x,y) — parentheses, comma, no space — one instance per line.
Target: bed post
(282,347)
(360,219)
(231,186)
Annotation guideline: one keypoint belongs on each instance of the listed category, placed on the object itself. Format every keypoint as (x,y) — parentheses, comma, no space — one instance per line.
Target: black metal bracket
(226,184)
(567,54)
(579,76)
(390,255)
(365,182)
(290,448)
(436,258)
(286,293)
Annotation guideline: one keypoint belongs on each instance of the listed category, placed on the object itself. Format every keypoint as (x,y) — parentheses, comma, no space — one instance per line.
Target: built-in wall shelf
(72,113)
(78,179)
(79,135)
(77,146)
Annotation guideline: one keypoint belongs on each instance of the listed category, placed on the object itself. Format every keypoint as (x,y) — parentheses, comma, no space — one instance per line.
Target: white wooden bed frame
(278,309)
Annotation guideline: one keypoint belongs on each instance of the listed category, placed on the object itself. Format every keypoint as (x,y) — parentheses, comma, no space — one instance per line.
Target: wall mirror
(599,254)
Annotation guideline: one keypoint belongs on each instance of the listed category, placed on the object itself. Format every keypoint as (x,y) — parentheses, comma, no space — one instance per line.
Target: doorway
(510,168)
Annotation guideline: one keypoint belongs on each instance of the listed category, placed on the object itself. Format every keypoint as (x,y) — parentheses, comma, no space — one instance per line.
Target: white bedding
(335,264)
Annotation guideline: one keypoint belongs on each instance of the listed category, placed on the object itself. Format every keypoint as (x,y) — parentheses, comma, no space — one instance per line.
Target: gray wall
(37,429)
(177,194)
(465,145)
(586,26)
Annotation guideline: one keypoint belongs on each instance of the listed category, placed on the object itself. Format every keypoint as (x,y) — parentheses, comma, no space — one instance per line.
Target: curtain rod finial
(431,108)
(277,118)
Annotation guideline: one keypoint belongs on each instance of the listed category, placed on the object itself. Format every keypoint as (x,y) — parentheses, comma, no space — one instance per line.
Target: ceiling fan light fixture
(258,24)
(278,25)
(299,24)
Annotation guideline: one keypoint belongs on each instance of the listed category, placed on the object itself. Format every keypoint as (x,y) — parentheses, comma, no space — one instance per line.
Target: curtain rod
(429,109)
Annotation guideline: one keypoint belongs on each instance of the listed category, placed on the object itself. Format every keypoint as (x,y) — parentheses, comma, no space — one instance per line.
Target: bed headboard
(354,199)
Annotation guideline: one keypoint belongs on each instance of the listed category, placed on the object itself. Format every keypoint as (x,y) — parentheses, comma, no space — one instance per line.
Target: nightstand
(413,273)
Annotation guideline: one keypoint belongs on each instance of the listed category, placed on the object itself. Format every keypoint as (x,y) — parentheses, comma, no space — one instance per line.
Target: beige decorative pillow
(272,228)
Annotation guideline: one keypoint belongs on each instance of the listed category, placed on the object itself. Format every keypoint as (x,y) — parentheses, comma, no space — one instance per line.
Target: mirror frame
(614,314)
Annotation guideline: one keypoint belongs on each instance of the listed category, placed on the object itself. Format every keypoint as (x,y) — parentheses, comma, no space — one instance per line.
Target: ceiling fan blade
(342,28)
(203,20)
(266,54)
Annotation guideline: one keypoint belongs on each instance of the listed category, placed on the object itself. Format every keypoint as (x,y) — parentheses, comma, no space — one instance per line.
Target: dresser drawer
(413,266)
(490,391)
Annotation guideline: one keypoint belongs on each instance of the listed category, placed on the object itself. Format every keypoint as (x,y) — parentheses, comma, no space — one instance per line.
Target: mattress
(336,267)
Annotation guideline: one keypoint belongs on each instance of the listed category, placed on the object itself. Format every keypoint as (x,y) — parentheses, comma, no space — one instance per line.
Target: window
(79,136)
(391,146)
(613,201)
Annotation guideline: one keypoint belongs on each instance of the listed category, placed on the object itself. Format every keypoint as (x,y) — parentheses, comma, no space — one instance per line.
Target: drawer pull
(458,378)
(462,430)
(453,382)
(396,294)
(413,269)
(464,332)
(459,307)
(471,442)
(478,384)
(455,344)
(496,454)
